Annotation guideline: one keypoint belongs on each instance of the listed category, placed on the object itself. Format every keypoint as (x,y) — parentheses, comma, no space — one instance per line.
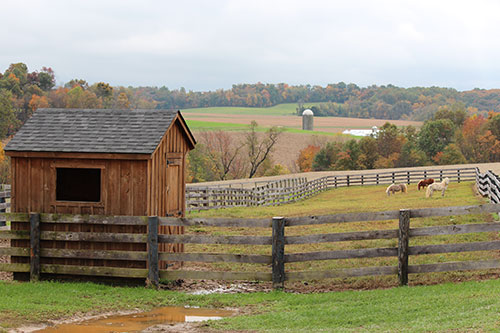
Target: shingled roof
(93,131)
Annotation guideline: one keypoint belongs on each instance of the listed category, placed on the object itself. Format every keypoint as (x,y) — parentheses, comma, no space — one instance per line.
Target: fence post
(440,175)
(362,180)
(34,247)
(347,180)
(377,178)
(458,175)
(408,176)
(153,272)
(335,181)
(278,252)
(403,241)
(393,180)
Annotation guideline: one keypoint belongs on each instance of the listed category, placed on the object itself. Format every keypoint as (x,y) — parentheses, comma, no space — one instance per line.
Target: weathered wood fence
(277,242)
(4,195)
(291,190)
(488,185)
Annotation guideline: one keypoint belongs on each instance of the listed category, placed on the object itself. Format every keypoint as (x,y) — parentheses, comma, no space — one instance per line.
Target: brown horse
(424,183)
(396,188)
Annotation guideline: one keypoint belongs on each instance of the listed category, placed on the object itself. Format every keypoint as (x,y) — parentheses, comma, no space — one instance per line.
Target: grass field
(354,199)
(286,109)
(447,306)
(470,306)
(199,125)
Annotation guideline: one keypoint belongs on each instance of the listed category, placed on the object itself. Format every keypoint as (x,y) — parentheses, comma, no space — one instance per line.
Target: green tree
(389,140)
(327,156)
(8,120)
(450,155)
(435,135)
(368,152)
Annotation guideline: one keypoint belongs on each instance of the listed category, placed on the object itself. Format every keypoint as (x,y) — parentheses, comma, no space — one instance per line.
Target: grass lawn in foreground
(447,307)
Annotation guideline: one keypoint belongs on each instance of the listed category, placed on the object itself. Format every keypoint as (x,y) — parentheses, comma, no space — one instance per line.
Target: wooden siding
(167,186)
(123,189)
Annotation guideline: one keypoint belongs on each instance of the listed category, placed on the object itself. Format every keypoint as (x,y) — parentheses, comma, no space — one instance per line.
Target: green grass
(447,307)
(354,199)
(198,125)
(286,109)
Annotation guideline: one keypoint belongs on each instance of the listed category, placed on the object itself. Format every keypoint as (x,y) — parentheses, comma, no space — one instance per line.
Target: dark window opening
(78,184)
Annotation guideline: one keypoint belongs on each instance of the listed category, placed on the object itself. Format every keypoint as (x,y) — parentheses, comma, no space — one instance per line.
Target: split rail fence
(290,190)
(488,185)
(277,242)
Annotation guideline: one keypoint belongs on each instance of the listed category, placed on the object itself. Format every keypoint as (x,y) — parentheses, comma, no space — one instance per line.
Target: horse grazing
(437,187)
(396,188)
(423,183)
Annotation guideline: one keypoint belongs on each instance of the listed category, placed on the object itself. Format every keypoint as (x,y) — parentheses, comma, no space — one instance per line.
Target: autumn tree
(389,140)
(259,147)
(306,158)
(122,101)
(224,152)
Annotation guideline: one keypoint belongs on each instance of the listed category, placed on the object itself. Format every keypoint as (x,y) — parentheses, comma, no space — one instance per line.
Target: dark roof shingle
(93,131)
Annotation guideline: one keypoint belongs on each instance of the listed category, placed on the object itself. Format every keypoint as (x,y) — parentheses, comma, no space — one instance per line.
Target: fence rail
(291,190)
(4,195)
(488,185)
(37,252)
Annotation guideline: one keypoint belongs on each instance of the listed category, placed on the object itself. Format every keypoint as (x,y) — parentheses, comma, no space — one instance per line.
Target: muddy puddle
(140,321)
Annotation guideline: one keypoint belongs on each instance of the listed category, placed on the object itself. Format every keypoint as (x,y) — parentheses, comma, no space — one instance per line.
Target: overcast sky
(206,45)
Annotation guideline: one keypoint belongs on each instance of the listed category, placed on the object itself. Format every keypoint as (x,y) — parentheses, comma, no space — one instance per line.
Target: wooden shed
(100,162)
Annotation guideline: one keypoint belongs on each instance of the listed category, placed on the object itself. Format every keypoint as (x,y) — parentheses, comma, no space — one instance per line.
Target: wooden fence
(277,260)
(4,195)
(291,190)
(488,185)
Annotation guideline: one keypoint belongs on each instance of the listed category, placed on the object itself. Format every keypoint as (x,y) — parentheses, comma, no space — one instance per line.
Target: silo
(307,120)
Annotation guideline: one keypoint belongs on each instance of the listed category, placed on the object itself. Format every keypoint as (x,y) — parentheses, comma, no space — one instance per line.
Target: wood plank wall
(123,191)
(164,197)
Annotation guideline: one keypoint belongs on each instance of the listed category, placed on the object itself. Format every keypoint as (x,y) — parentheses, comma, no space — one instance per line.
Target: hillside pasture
(321,124)
(235,121)
(354,199)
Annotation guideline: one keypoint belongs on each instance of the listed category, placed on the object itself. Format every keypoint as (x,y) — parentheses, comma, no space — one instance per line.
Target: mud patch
(160,319)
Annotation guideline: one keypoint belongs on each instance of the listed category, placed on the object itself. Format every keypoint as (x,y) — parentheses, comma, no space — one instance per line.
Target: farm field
(322,124)
(235,120)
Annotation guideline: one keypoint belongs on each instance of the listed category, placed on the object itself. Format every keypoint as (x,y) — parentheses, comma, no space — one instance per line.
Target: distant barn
(100,162)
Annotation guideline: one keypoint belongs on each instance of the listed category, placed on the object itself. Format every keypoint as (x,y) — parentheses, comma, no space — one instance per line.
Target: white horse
(396,188)
(437,187)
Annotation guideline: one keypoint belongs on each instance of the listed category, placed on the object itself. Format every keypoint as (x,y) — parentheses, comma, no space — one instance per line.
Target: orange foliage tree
(306,158)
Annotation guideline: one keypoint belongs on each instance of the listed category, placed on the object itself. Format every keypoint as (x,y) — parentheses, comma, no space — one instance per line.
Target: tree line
(22,92)
(451,136)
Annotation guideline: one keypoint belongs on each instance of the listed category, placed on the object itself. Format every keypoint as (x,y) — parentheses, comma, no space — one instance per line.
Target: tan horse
(437,187)
(396,188)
